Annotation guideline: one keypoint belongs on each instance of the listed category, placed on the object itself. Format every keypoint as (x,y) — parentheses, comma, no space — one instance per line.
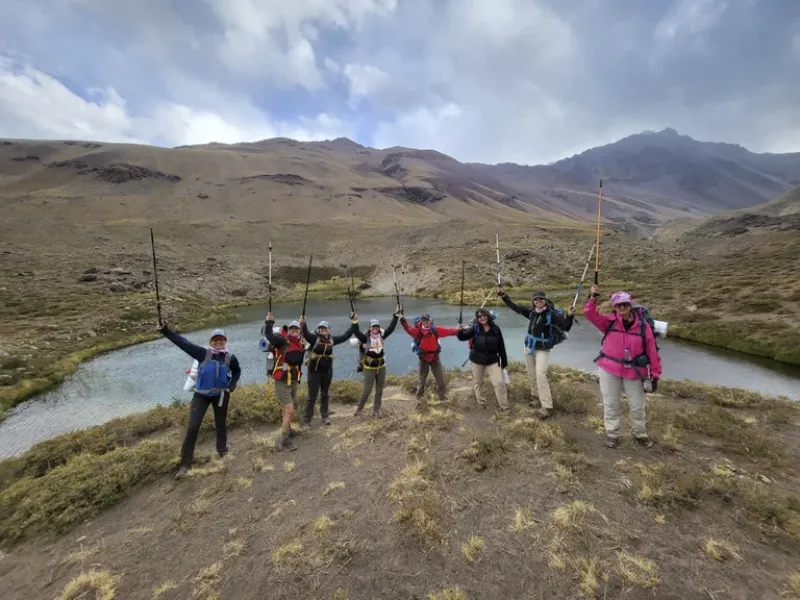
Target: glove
(655,384)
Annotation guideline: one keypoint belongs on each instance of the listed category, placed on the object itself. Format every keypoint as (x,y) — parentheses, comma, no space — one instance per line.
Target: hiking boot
(222,453)
(293,433)
(644,441)
(285,444)
(326,421)
(611,442)
(181,473)
(357,411)
(377,413)
(543,413)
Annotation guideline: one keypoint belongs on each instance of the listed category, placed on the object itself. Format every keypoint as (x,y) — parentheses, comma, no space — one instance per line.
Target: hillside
(440,501)
(650,178)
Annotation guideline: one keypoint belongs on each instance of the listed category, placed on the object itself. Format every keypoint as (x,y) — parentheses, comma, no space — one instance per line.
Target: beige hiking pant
(611,387)
(495,374)
(536,365)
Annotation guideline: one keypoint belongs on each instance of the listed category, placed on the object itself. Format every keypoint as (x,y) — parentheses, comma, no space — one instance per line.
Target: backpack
(415,344)
(557,335)
(213,376)
(644,316)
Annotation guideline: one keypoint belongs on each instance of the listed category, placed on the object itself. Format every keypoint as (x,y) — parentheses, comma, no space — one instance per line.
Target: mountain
(649,178)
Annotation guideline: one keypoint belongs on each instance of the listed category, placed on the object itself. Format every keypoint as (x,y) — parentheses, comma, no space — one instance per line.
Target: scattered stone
(202,196)
(88,277)
(91,270)
(91,333)
(691,308)
(119,271)
(120,287)
(238,293)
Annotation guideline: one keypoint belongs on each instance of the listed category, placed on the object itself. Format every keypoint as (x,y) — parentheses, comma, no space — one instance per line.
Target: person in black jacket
(543,325)
(373,363)
(487,356)
(217,376)
(320,366)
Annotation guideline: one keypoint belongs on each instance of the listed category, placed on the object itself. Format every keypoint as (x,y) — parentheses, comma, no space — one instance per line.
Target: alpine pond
(139,377)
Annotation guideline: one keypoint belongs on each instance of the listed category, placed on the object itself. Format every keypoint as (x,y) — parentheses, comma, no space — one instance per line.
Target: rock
(238,293)
(91,333)
(202,196)
(91,270)
(6,379)
(119,271)
(146,272)
(691,308)
(120,287)
(764,479)
(88,277)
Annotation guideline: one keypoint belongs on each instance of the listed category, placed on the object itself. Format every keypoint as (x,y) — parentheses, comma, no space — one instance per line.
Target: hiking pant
(536,364)
(495,374)
(438,374)
(377,378)
(197,410)
(611,388)
(319,382)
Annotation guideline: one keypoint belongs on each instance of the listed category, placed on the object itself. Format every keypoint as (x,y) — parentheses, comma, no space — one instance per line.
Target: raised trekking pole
(308,281)
(353,285)
(497,247)
(461,308)
(585,269)
(270,277)
(597,244)
(396,290)
(155,276)
(402,283)
(349,293)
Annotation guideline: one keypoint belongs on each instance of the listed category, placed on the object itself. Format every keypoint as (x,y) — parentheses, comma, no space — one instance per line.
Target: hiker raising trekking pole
(426,346)
(373,362)
(320,365)
(628,351)
(546,328)
(218,373)
(289,350)
(488,357)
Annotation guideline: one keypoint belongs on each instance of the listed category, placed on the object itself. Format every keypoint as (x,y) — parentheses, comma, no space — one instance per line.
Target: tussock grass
(232,548)
(288,466)
(102,583)
(339,594)
(334,485)
(588,577)
(82,554)
(794,582)
(441,418)
(253,404)
(420,503)
(448,593)
(572,515)
(472,547)
(73,492)
(541,434)
(322,524)
(283,554)
(486,452)
(522,520)
(637,570)
(721,550)
(162,589)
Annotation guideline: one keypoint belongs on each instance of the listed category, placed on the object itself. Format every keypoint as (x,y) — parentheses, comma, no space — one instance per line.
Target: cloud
(528,81)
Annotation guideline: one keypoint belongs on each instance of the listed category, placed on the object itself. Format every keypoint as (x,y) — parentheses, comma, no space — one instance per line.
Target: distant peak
(669,131)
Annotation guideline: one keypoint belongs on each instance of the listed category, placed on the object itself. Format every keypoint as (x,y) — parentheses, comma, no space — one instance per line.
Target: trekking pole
(461,308)
(402,283)
(270,277)
(497,247)
(580,285)
(155,276)
(353,284)
(349,293)
(308,281)
(597,244)
(396,291)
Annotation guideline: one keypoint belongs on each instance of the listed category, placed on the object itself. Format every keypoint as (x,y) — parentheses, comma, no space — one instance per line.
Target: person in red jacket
(628,358)
(426,336)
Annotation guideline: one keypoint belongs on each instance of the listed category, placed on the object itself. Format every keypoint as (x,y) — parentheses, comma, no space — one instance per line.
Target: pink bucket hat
(620,298)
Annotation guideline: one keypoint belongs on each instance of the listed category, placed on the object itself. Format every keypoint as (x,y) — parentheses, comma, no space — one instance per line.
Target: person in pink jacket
(628,358)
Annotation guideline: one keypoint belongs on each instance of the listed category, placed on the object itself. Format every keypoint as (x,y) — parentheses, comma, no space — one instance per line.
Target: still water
(137,378)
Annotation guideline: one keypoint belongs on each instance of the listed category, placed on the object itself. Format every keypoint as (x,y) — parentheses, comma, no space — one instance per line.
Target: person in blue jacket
(217,376)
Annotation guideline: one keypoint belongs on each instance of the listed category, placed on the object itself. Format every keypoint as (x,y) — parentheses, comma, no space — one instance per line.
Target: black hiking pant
(319,383)
(197,410)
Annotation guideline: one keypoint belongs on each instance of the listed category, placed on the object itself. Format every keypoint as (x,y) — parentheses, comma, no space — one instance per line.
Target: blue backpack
(415,344)
(213,376)
(557,335)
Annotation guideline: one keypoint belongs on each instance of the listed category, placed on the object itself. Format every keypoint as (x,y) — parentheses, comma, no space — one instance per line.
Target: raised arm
(346,335)
(466,334)
(412,331)
(447,331)
(594,317)
(311,338)
(520,310)
(196,352)
(276,340)
(390,329)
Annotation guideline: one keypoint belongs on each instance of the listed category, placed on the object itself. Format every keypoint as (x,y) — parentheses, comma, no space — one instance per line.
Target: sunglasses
(539,299)
(623,305)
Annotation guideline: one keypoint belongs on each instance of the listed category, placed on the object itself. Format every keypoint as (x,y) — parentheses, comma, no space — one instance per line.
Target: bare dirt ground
(450,502)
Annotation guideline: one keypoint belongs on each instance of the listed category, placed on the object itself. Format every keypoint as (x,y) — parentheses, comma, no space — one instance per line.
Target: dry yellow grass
(334,485)
(322,524)
(571,515)
(288,466)
(721,550)
(522,520)
(232,548)
(448,593)
(283,553)
(162,589)
(102,583)
(637,570)
(472,547)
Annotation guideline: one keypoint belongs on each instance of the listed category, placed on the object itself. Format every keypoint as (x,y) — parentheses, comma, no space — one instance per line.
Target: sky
(525,81)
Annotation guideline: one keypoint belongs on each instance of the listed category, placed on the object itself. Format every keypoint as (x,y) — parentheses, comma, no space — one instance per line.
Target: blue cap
(218,333)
